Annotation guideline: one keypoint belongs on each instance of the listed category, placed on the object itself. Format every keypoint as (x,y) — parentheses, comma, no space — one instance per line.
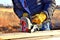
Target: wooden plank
(28,35)
(41,38)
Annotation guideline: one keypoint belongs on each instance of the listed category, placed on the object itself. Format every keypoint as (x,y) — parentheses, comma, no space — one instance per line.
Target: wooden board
(41,38)
(30,35)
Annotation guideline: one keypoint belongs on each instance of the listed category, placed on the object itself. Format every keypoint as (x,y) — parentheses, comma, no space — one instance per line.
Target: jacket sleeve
(17,8)
(49,7)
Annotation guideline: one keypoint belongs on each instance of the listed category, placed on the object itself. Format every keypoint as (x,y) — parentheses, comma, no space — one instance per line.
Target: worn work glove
(39,18)
(25,14)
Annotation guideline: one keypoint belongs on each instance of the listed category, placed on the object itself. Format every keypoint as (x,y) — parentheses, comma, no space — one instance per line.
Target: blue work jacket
(33,7)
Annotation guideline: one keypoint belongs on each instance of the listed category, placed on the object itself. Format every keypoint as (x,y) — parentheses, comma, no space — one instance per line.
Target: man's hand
(39,18)
(25,14)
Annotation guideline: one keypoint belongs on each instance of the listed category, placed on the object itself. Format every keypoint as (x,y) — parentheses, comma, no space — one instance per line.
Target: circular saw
(27,26)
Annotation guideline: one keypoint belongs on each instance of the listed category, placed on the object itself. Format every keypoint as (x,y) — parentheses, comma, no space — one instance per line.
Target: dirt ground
(9,19)
(56,18)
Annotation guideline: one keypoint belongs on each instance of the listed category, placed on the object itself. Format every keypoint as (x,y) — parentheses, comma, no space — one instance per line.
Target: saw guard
(25,24)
